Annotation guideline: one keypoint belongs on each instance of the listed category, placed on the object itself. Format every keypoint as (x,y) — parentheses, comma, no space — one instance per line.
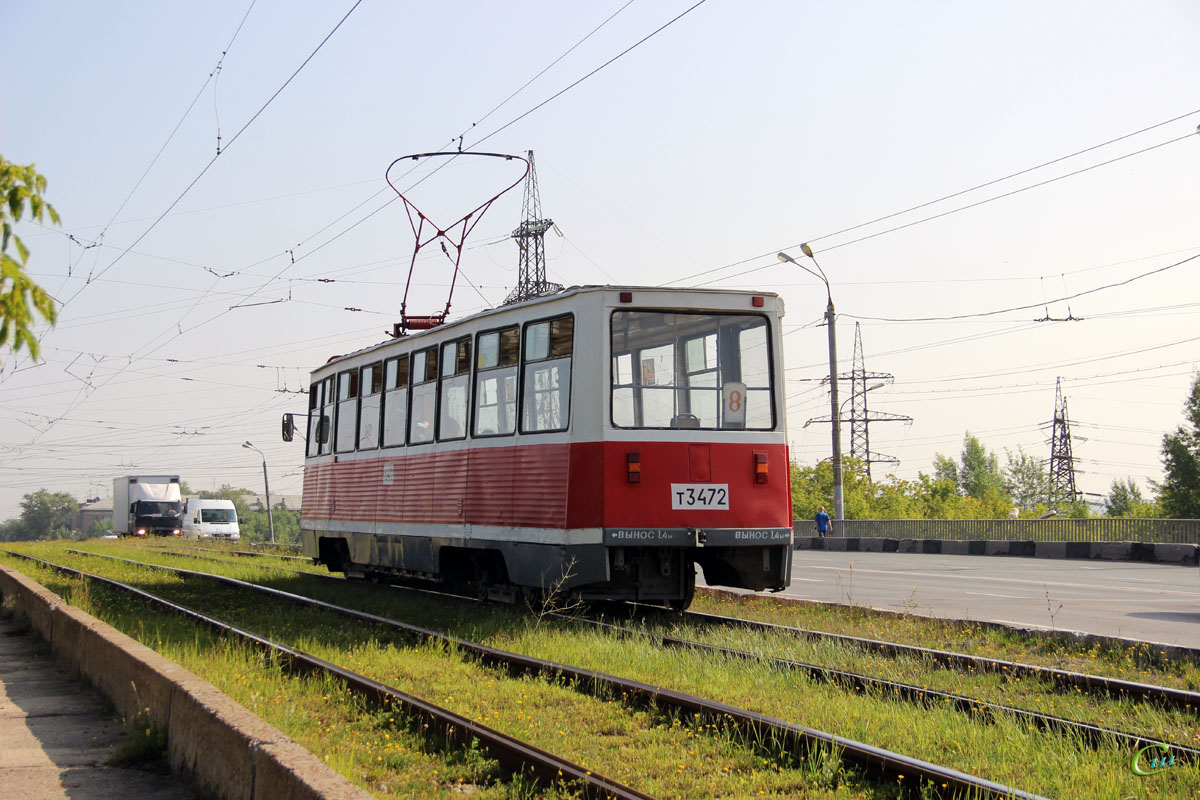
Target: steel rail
(1166,696)
(511,753)
(251,553)
(893,766)
(1094,734)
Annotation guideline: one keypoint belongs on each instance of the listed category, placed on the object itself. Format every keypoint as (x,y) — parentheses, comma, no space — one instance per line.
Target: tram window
(313,447)
(700,364)
(756,374)
(395,400)
(546,389)
(424,396)
(454,396)
(678,370)
(324,429)
(347,411)
(658,386)
(496,382)
(371,387)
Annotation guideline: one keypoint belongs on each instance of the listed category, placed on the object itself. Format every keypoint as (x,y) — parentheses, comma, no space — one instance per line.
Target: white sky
(742,129)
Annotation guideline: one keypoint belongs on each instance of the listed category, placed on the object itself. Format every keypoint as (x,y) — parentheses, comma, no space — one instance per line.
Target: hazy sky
(198,293)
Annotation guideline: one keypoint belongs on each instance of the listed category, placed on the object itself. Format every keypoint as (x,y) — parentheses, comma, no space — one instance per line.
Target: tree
(21,298)
(1025,479)
(1179,493)
(1121,497)
(976,473)
(46,515)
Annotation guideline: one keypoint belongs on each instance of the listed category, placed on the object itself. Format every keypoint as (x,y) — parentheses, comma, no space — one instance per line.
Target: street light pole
(839,510)
(267,486)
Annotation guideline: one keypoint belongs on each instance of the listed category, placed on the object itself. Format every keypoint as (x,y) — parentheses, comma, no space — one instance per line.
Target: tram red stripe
(579,485)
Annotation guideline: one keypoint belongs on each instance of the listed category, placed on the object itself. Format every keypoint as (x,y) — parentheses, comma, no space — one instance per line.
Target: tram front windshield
(691,370)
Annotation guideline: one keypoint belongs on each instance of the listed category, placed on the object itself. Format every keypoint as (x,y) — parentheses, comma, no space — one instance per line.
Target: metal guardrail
(1103,529)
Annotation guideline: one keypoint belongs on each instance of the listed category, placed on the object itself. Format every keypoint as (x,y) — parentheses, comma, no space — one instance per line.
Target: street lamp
(267,486)
(839,511)
(864,391)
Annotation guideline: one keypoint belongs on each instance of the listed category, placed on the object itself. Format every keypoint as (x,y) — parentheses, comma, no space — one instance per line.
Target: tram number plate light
(706,496)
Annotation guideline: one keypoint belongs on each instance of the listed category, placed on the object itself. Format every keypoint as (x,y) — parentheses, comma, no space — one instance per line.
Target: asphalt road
(1130,599)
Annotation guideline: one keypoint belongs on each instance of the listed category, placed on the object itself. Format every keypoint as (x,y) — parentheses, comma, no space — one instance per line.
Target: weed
(143,745)
(1050,605)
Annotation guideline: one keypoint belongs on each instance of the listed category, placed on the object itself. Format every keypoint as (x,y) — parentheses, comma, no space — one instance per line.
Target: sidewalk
(56,733)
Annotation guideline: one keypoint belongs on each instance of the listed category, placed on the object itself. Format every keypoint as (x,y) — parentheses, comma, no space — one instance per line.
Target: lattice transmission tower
(1062,461)
(530,237)
(860,418)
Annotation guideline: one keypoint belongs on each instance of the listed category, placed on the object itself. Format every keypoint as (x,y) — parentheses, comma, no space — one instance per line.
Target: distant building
(90,512)
(258,502)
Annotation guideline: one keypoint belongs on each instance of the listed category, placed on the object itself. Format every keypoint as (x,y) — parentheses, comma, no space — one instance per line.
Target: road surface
(1130,599)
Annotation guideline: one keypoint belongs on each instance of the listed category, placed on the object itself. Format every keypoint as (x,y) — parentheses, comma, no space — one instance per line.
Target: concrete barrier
(228,751)
(1112,551)
(1175,553)
(1185,554)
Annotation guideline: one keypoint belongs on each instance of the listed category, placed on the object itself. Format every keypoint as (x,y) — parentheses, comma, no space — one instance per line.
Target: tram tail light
(760,467)
(633,467)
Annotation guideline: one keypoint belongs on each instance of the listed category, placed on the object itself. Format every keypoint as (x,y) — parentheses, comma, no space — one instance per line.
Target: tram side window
(455,395)
(347,411)
(546,381)
(691,370)
(496,382)
(395,400)
(371,386)
(424,396)
(314,419)
(325,432)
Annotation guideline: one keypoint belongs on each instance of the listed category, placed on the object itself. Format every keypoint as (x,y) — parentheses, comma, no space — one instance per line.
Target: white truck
(147,505)
(210,519)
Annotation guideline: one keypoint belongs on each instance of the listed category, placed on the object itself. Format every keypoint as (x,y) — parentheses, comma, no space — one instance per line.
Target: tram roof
(545,298)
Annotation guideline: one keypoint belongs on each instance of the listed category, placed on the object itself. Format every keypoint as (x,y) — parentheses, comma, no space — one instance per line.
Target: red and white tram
(600,440)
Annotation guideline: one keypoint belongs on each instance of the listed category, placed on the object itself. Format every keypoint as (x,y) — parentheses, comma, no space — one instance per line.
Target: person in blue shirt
(821,523)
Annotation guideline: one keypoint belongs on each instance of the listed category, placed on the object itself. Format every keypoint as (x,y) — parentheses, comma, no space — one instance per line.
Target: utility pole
(839,509)
(530,236)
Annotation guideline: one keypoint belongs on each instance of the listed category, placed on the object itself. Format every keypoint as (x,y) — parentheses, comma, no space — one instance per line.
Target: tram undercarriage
(505,570)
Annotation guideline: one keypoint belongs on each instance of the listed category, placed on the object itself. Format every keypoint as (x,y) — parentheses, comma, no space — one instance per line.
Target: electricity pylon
(530,237)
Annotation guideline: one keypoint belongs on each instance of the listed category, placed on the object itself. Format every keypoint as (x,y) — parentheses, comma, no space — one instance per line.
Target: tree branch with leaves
(21,300)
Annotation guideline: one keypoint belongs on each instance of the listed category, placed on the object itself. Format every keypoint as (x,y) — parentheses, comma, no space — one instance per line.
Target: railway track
(920,695)
(511,753)
(874,761)
(853,681)
(1164,696)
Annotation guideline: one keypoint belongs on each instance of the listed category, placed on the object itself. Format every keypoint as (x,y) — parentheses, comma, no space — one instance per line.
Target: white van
(210,519)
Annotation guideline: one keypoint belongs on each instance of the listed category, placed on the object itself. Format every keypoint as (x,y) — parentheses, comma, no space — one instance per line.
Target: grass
(677,757)
(143,745)
(641,748)
(1141,662)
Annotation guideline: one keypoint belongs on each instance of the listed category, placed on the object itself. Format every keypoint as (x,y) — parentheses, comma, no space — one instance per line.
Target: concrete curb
(1183,554)
(222,746)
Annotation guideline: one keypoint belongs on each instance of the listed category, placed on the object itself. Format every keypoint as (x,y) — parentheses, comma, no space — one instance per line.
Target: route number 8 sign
(734,401)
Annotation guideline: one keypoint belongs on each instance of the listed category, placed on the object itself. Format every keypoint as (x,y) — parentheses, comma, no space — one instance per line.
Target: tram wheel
(689,592)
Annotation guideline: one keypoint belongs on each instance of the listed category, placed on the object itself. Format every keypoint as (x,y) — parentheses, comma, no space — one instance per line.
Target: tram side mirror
(323,429)
(289,427)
